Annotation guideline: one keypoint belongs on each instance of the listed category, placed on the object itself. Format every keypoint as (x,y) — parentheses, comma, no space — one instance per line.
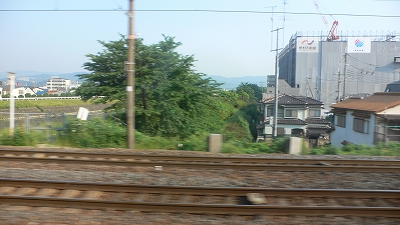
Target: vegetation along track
(200,162)
(208,200)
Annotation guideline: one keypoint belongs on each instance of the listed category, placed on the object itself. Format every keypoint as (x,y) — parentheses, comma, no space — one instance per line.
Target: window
(341,121)
(291,113)
(281,112)
(270,112)
(315,113)
(360,125)
(20,92)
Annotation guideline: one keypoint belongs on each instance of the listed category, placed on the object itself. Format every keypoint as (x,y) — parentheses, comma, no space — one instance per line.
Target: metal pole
(130,88)
(275,122)
(344,76)
(11,77)
(338,88)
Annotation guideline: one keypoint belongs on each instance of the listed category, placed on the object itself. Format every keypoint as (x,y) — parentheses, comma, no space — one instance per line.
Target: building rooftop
(374,103)
(294,101)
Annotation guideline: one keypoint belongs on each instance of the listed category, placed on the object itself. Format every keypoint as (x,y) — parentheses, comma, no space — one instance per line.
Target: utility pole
(11,78)
(338,88)
(275,122)
(130,88)
(344,76)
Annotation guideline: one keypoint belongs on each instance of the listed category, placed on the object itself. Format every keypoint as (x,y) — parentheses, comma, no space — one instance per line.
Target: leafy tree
(250,93)
(247,97)
(171,99)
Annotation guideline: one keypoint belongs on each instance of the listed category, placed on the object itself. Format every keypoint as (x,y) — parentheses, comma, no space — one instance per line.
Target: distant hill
(37,78)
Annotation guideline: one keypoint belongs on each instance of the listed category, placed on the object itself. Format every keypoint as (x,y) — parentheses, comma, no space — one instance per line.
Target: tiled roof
(293,101)
(288,121)
(317,121)
(319,127)
(374,103)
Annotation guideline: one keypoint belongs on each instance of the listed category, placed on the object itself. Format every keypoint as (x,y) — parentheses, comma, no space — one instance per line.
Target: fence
(41,98)
(46,122)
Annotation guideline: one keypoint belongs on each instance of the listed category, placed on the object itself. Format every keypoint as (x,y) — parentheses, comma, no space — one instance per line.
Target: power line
(196,10)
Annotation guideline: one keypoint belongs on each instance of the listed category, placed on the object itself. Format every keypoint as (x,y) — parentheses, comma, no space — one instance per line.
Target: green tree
(242,123)
(171,99)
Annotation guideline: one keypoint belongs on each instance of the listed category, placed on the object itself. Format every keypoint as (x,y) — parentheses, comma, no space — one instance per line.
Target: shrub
(20,138)
(331,150)
(96,133)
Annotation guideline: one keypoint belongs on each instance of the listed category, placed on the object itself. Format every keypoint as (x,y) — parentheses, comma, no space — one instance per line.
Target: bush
(96,133)
(279,144)
(331,150)
(20,138)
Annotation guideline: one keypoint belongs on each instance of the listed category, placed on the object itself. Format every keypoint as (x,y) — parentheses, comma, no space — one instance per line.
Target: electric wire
(197,10)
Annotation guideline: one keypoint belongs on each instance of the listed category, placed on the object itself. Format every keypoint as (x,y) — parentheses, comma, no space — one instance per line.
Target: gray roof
(393,87)
(294,101)
(294,121)
(317,121)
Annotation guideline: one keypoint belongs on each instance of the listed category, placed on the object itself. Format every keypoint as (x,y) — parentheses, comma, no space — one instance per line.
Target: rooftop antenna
(272,21)
(284,20)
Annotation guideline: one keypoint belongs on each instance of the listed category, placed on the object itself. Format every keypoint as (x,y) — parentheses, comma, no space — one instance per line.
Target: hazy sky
(230,44)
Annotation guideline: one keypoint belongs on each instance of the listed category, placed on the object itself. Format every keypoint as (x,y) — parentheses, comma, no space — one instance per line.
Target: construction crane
(332,35)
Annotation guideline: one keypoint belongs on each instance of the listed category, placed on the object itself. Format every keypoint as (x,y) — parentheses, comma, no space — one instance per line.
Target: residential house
(297,115)
(367,120)
(38,90)
(18,91)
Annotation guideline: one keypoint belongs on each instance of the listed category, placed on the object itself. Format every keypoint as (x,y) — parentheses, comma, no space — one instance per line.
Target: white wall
(340,134)
(288,128)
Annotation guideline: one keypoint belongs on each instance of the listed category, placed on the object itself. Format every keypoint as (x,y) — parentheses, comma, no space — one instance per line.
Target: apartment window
(360,125)
(315,113)
(340,120)
(291,113)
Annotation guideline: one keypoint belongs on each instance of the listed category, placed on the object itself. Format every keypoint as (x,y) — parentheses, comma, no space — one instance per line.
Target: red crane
(332,35)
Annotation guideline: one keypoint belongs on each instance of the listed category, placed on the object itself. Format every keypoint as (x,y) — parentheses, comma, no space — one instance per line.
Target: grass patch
(43,103)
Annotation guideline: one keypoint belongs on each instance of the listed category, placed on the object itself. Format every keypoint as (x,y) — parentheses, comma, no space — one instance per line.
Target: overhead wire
(197,10)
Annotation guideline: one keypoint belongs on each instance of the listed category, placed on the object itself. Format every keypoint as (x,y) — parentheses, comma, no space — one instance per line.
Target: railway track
(200,162)
(203,200)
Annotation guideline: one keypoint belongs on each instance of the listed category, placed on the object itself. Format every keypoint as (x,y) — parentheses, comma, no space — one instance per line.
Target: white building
(18,91)
(58,84)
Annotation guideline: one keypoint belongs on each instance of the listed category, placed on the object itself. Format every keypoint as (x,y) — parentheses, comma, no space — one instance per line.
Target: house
(297,115)
(367,120)
(18,91)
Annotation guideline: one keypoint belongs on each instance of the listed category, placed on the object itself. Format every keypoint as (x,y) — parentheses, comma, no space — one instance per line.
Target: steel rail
(258,160)
(210,166)
(197,190)
(201,208)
